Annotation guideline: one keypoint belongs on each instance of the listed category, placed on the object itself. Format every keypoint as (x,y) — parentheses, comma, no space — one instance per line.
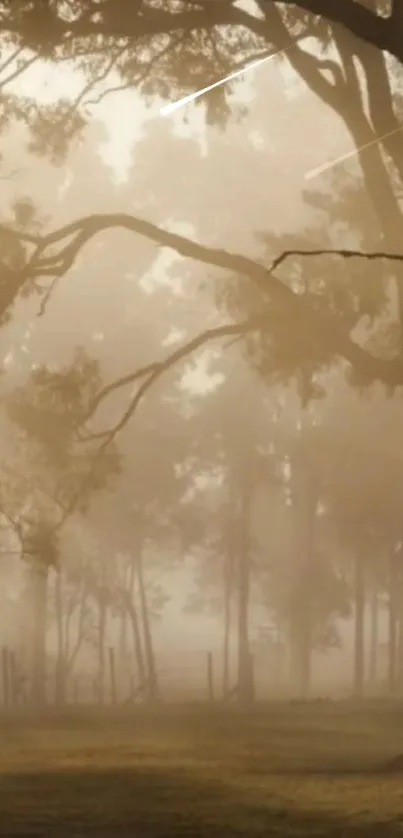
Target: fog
(235,532)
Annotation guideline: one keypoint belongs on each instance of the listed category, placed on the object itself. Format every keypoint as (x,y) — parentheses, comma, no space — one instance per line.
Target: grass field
(318,770)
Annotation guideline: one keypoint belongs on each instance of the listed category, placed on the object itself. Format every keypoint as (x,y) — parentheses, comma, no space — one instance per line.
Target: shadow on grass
(153,804)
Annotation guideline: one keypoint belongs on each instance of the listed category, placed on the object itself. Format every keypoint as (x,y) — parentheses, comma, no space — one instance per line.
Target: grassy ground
(284,771)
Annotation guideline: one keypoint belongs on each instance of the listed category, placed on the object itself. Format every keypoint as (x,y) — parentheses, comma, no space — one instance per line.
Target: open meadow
(314,770)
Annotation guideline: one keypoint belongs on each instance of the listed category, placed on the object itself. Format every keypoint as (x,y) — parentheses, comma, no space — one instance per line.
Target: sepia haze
(226,418)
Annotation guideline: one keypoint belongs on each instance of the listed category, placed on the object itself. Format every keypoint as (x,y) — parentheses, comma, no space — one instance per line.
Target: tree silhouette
(294,310)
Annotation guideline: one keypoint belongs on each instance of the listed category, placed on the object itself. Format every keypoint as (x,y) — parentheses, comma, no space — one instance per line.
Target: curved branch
(322,327)
(84,229)
(152,372)
(344,253)
(151,375)
(118,384)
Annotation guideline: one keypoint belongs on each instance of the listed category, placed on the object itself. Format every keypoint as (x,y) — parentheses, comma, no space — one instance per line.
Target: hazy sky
(184,158)
(159,164)
(175,171)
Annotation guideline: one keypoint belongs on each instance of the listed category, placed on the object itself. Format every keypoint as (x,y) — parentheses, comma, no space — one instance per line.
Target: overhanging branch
(152,372)
(45,28)
(321,327)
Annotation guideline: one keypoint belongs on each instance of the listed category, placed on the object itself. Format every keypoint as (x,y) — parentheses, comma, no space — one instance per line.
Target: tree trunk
(308,570)
(359,644)
(102,619)
(123,658)
(245,664)
(305,646)
(71,652)
(245,687)
(123,645)
(228,584)
(377,178)
(137,640)
(368,133)
(392,625)
(374,641)
(305,498)
(152,678)
(39,589)
(60,686)
(399,610)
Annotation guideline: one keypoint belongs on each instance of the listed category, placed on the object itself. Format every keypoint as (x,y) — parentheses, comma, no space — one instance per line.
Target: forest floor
(314,770)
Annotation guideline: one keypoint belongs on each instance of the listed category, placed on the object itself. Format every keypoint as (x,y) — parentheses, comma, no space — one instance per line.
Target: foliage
(48,410)
(294,318)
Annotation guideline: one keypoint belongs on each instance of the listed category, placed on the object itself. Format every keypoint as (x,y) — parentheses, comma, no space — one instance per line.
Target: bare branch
(99,77)
(321,326)
(153,372)
(19,71)
(13,57)
(143,75)
(82,230)
(344,253)
(119,383)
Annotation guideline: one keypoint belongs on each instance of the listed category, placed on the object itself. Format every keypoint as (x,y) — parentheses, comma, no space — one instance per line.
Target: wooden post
(6,675)
(113,674)
(210,676)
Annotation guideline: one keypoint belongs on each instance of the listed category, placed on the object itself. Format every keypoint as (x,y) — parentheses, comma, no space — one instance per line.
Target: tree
(240,20)
(234,452)
(46,410)
(292,330)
